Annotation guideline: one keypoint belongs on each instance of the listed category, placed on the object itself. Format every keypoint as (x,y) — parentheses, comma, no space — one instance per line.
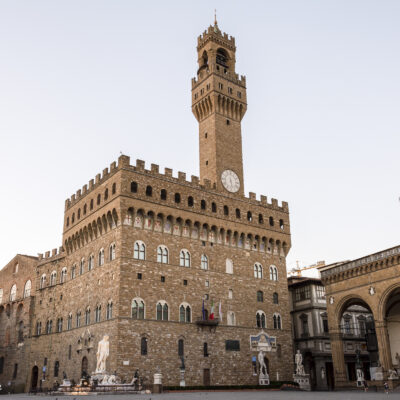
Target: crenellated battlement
(154,171)
(51,255)
(214,33)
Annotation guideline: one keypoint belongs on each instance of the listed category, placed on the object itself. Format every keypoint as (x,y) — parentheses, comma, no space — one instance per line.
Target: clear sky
(83,80)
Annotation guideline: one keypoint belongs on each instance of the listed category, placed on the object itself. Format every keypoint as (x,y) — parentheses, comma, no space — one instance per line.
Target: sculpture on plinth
(300,376)
(103,351)
(263,377)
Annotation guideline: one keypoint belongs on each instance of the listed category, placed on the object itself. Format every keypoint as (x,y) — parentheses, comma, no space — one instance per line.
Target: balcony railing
(207,322)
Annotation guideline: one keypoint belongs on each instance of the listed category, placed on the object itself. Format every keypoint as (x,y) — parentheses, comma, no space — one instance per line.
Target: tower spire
(215,17)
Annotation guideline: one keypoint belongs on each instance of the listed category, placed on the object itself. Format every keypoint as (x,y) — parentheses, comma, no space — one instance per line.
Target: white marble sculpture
(103,351)
(298,358)
(263,367)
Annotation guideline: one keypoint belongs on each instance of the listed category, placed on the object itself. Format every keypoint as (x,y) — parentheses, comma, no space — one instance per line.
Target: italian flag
(212,310)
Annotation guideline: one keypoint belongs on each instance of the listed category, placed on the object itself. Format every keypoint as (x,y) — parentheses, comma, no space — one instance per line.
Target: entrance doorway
(330,377)
(206,377)
(34,378)
(84,372)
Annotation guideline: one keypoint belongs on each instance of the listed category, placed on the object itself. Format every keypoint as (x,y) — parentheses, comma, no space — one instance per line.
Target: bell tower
(219,104)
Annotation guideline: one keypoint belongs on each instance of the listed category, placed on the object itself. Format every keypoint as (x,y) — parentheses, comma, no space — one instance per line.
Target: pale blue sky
(82,80)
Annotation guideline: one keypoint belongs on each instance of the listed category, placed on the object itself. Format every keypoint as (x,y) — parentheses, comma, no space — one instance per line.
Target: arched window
(149,191)
(277,321)
(231,320)
(63,277)
(139,250)
(281,224)
(73,272)
(90,262)
(109,310)
(84,209)
(260,319)
(143,346)
(42,281)
(249,216)
(59,325)
(181,348)
(87,316)
(49,326)
(98,199)
(69,322)
(56,368)
(163,194)
(78,319)
(177,198)
(38,328)
(184,259)
(203,204)
(162,311)
(67,221)
(134,187)
(258,271)
(204,262)
(260,296)
(260,219)
(106,194)
(53,278)
(190,201)
(114,188)
(73,218)
(98,313)
(226,210)
(27,289)
(213,207)
(273,273)
(271,221)
(185,313)
(162,254)
(237,213)
(112,251)
(275,298)
(79,213)
(101,257)
(91,204)
(229,266)
(138,308)
(82,265)
(13,292)
(230,294)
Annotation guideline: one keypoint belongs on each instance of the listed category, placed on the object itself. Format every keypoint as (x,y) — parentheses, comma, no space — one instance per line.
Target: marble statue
(298,358)
(103,351)
(263,367)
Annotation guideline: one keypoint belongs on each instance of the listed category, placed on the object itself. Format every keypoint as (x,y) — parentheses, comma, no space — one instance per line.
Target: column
(339,365)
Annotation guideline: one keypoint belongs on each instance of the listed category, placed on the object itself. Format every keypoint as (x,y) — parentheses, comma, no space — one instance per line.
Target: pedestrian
(365,386)
(386,387)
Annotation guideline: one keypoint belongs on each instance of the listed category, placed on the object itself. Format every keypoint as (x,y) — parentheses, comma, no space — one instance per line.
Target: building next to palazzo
(168,267)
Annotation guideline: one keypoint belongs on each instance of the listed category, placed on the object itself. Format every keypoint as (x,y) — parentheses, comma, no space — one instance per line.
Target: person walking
(386,387)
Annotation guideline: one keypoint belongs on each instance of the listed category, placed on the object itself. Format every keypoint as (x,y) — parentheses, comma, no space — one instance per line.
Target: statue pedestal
(157,386)
(303,381)
(376,373)
(182,382)
(263,379)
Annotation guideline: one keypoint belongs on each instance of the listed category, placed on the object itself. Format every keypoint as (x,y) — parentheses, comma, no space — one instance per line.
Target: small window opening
(249,216)
(163,194)
(149,191)
(271,221)
(139,275)
(260,219)
(190,201)
(177,198)
(237,213)
(228,122)
(213,207)
(226,210)
(163,279)
(203,204)
(134,187)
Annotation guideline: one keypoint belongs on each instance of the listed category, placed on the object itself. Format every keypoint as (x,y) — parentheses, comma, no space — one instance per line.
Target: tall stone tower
(219,104)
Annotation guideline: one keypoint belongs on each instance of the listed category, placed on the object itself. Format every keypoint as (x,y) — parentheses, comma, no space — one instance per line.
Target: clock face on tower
(230,181)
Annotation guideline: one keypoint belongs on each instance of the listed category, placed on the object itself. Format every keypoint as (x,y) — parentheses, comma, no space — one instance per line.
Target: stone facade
(371,282)
(137,237)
